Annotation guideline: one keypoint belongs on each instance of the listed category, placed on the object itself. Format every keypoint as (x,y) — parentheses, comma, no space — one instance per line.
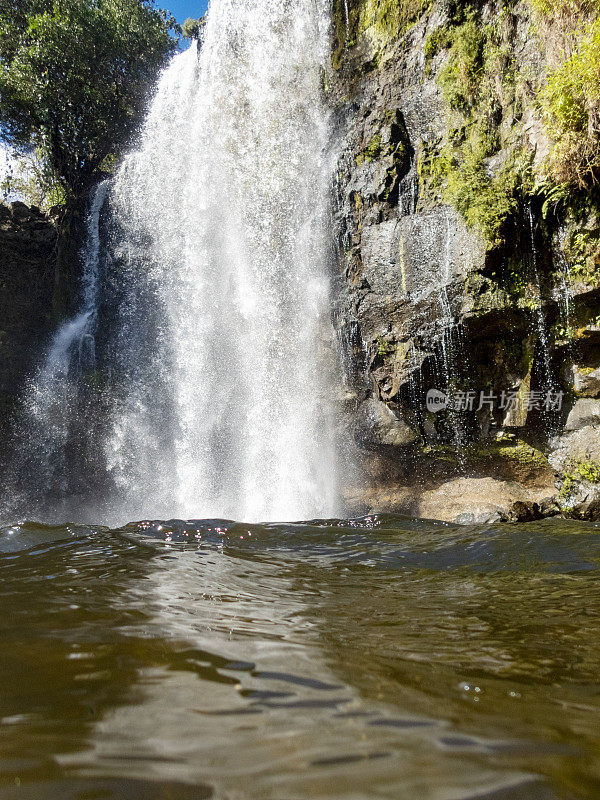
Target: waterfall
(53,398)
(218,352)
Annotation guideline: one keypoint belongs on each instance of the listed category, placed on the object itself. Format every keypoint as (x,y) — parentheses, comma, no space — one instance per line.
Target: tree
(74,79)
(192,28)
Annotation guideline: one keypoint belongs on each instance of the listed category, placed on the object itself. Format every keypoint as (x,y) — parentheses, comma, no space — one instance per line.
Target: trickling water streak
(415,382)
(449,345)
(539,310)
(347,20)
(447,320)
(566,295)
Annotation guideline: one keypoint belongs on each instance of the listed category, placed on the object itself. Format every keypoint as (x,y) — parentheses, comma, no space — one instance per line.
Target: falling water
(566,292)
(547,378)
(218,350)
(347,18)
(52,399)
(449,346)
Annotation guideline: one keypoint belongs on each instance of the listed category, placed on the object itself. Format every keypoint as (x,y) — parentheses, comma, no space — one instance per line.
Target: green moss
(486,294)
(523,454)
(558,8)
(438,40)
(485,200)
(582,469)
(372,151)
(582,250)
(383,21)
(570,99)
(459,80)
(570,105)
(459,174)
(575,472)
(517,451)
(478,85)
(390,19)
(384,348)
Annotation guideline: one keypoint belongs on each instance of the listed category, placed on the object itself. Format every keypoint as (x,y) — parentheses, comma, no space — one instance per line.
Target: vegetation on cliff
(498,203)
(570,100)
(485,165)
(489,94)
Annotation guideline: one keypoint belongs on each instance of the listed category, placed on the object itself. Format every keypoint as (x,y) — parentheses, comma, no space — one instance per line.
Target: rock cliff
(468,258)
(27,277)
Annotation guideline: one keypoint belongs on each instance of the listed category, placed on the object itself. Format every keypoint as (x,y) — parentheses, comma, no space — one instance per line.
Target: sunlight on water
(378,657)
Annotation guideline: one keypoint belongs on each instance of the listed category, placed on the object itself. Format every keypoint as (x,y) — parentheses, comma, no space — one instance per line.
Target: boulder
(586,381)
(378,425)
(582,444)
(581,500)
(479,500)
(19,210)
(585,412)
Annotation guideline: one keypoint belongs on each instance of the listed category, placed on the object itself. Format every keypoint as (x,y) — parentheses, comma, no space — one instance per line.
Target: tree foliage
(74,78)
(29,178)
(192,28)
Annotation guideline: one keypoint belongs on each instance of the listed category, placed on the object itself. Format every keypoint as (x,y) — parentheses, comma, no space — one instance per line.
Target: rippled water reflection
(381,657)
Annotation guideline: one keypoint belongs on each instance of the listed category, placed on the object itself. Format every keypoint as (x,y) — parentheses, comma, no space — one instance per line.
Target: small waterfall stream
(52,400)
(218,356)
(566,295)
(450,350)
(542,334)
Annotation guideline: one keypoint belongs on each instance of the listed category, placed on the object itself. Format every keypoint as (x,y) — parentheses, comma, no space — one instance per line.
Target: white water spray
(544,344)
(220,351)
(52,397)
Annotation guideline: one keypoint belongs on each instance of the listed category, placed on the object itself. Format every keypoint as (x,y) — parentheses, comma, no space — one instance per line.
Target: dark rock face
(404,264)
(27,274)
(428,299)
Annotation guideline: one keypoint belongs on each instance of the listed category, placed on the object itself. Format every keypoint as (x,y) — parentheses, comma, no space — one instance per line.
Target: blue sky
(182,9)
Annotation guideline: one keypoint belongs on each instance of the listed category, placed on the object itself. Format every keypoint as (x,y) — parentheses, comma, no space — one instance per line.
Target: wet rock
(585,412)
(579,499)
(479,500)
(395,499)
(522,511)
(581,444)
(379,425)
(549,506)
(586,381)
(20,210)
(27,257)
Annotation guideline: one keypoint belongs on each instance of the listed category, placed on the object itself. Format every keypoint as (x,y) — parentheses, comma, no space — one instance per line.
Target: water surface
(380,657)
